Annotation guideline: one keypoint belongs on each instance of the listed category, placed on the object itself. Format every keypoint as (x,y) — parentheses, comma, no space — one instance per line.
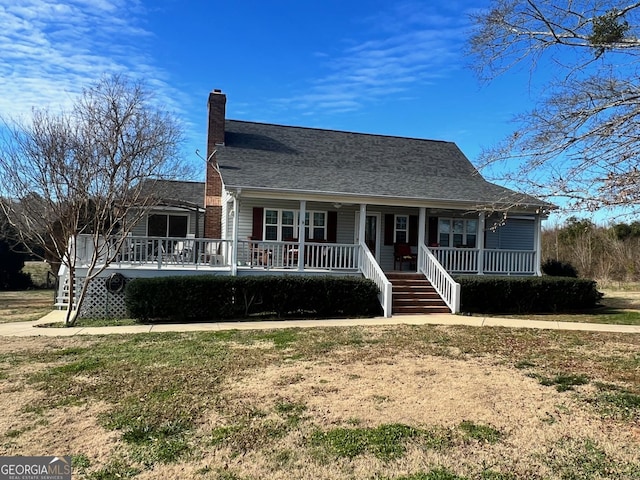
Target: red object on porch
(402,253)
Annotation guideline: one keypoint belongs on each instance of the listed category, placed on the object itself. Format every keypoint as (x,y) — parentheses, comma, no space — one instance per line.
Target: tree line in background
(604,253)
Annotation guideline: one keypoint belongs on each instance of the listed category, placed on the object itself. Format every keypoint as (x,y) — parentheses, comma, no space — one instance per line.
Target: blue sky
(394,68)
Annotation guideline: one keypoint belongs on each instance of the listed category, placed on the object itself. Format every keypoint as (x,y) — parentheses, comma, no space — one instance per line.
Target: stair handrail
(370,269)
(443,283)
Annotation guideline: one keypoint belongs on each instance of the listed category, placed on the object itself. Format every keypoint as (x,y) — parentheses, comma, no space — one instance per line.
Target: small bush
(556,268)
(483,294)
(201,298)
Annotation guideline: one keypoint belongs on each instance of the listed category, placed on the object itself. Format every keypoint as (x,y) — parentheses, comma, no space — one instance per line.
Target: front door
(371,233)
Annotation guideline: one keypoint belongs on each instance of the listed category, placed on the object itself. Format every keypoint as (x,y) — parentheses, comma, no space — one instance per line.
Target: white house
(407,213)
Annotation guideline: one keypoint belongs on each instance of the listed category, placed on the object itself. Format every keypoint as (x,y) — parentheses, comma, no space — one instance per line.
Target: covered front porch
(206,254)
(289,235)
(341,239)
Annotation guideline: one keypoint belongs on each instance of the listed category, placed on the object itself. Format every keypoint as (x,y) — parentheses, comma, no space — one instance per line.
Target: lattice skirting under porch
(101,303)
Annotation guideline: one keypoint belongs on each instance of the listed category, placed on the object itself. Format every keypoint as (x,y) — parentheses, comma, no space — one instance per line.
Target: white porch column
(361,227)
(537,239)
(480,238)
(422,222)
(234,236)
(301,234)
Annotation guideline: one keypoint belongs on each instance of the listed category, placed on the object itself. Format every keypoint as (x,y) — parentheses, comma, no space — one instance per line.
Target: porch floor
(206,268)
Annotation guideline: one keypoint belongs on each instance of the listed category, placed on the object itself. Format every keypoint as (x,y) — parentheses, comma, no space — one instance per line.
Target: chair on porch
(182,251)
(292,252)
(402,253)
(211,254)
(259,254)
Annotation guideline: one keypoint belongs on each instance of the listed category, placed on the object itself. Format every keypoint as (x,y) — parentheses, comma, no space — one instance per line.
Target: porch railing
(371,270)
(488,261)
(322,256)
(174,251)
(510,262)
(167,251)
(444,284)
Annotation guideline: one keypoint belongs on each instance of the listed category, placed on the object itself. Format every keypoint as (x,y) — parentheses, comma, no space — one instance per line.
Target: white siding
(247,205)
(346,225)
(227,220)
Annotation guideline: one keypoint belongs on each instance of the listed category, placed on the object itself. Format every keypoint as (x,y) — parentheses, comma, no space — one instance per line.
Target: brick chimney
(213,181)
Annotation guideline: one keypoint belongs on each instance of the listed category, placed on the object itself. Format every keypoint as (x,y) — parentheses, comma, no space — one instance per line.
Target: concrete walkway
(28,329)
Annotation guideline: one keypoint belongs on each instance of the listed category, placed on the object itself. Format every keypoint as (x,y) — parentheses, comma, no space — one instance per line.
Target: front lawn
(25,306)
(619,306)
(401,402)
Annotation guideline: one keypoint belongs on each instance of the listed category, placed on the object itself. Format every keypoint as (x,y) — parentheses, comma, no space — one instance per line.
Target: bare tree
(84,175)
(580,143)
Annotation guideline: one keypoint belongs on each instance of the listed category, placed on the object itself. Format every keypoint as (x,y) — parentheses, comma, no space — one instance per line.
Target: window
(457,232)
(318,229)
(271,222)
(282,225)
(288,224)
(165,225)
(401,230)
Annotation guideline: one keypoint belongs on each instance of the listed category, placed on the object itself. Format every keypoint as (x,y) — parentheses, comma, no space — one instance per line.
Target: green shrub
(482,294)
(556,268)
(198,298)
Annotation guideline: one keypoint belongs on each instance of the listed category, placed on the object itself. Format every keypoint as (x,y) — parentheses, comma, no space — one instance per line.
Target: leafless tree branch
(87,172)
(580,143)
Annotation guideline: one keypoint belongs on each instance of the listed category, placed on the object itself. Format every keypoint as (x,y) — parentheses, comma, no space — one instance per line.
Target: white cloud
(410,44)
(51,49)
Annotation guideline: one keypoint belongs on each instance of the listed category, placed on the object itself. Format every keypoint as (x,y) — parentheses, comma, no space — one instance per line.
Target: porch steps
(414,295)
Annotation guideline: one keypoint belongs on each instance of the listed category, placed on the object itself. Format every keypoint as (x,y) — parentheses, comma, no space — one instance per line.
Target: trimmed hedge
(202,298)
(526,294)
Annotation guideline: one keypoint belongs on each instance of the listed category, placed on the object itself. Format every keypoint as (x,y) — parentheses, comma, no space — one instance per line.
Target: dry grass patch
(25,306)
(361,403)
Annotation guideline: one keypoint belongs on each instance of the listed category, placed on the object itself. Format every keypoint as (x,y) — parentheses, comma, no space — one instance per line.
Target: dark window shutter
(413,230)
(388,228)
(258,217)
(332,226)
(433,232)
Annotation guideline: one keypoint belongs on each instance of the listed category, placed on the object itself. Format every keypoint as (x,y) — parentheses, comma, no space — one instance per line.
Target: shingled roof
(298,159)
(175,193)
